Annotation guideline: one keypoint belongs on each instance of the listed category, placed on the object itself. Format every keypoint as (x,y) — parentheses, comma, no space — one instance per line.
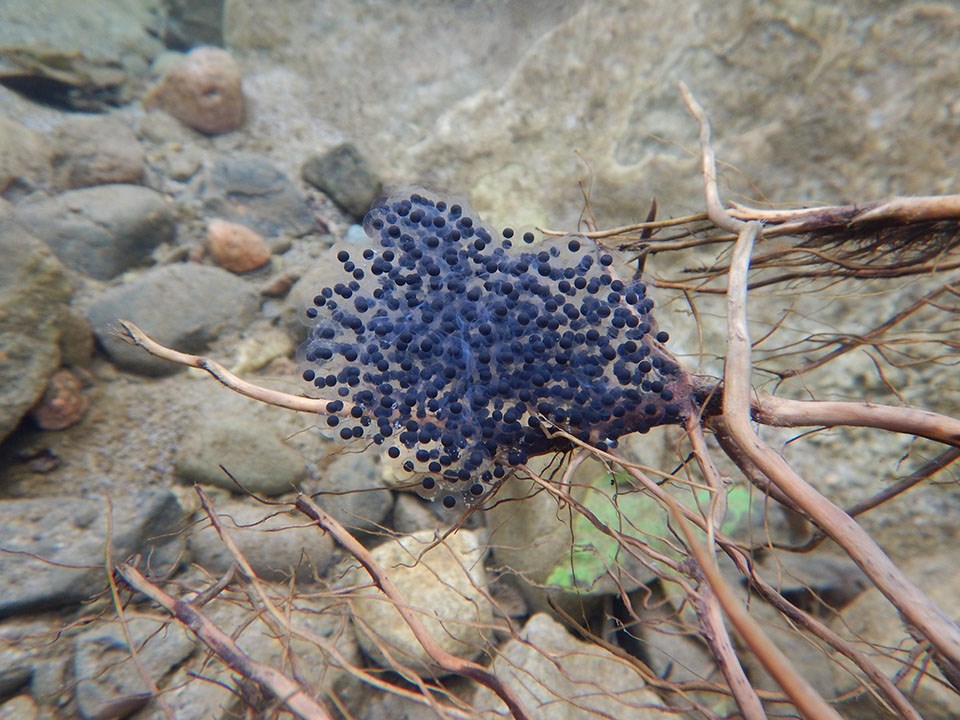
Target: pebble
(94,150)
(34,292)
(412,513)
(258,350)
(203,91)
(547,663)
(255,456)
(184,306)
(351,489)
(235,247)
(344,174)
(108,680)
(446,581)
(249,189)
(63,403)
(55,546)
(277,544)
(104,230)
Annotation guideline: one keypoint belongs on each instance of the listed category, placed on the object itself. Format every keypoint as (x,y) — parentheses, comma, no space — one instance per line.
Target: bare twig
(715,211)
(134,335)
(783,412)
(863,550)
(796,687)
(441,657)
(121,616)
(893,210)
(714,631)
(285,689)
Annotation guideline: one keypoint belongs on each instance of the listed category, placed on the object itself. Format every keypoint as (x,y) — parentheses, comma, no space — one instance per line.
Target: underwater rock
(63,403)
(34,292)
(236,247)
(547,666)
(55,546)
(346,176)
(101,231)
(204,92)
(257,458)
(95,151)
(183,306)
(250,190)
(24,158)
(447,580)
(276,544)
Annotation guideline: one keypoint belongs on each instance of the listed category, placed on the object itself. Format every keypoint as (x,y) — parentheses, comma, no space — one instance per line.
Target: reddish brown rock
(203,91)
(236,247)
(63,403)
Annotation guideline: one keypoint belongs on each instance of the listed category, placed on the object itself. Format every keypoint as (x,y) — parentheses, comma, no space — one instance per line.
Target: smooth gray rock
(54,547)
(91,150)
(344,174)
(182,306)
(249,190)
(559,677)
(253,454)
(351,488)
(101,231)
(277,544)
(34,291)
(193,22)
(108,682)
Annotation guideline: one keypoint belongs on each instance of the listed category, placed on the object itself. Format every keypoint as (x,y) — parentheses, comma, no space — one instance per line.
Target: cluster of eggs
(459,351)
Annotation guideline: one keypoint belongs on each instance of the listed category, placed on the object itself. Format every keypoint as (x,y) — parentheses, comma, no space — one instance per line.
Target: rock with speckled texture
(449,579)
(181,306)
(55,546)
(92,150)
(254,455)
(204,91)
(546,662)
(34,289)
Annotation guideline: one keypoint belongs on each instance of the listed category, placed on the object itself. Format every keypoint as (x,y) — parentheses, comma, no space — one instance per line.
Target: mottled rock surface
(446,580)
(277,543)
(344,174)
(250,190)
(101,231)
(107,676)
(33,289)
(236,247)
(255,456)
(55,547)
(95,151)
(546,663)
(204,91)
(63,403)
(181,306)
(24,158)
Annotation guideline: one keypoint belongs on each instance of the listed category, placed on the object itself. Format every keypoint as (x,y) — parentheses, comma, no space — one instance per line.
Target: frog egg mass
(460,352)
